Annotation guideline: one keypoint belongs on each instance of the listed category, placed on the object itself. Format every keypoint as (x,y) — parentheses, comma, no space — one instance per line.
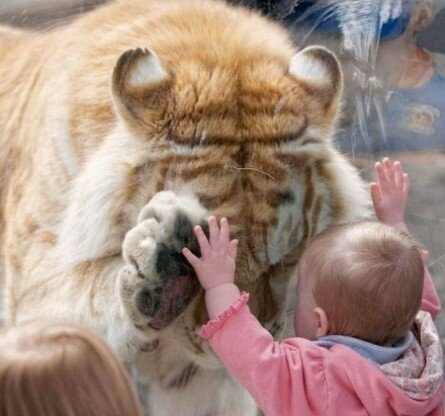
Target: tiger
(124,129)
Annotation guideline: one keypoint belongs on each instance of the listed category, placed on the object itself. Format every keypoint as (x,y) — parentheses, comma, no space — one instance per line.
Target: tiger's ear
(140,84)
(319,70)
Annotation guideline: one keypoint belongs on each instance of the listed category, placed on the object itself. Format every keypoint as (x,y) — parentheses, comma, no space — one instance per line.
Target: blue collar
(373,352)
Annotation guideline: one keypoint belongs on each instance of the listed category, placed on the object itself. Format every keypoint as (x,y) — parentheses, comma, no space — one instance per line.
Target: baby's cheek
(305,324)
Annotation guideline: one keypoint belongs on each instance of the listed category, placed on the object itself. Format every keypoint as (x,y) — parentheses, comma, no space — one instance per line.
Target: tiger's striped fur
(220,111)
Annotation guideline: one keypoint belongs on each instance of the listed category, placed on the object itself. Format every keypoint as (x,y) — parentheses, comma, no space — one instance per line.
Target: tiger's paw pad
(157,283)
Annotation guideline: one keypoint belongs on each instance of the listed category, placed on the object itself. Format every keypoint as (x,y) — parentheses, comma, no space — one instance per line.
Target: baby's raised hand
(390,192)
(217,263)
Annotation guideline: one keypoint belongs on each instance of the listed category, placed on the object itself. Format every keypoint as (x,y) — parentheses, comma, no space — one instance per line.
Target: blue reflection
(326,19)
(405,113)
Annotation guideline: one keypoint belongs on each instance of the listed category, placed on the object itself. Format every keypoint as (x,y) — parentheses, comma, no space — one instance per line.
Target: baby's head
(363,280)
(51,368)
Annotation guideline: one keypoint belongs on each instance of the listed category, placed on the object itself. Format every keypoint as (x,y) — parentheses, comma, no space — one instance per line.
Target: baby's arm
(389,195)
(275,374)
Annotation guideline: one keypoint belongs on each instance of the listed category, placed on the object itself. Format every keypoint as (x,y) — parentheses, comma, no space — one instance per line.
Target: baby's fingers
(202,240)
(191,258)
(224,235)
(213,229)
(405,185)
(375,193)
(398,173)
(380,173)
(233,248)
(389,171)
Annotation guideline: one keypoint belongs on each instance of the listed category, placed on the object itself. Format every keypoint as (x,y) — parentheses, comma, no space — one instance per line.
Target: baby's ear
(322,322)
(319,71)
(140,84)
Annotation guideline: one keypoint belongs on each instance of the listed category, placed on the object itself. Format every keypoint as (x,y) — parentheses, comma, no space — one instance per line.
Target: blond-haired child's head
(363,280)
(49,369)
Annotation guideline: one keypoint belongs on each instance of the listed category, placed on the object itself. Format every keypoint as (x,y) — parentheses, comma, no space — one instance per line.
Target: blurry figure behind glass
(400,105)
(415,103)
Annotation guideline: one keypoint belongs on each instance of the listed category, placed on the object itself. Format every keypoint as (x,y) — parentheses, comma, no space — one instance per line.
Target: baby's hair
(368,278)
(55,369)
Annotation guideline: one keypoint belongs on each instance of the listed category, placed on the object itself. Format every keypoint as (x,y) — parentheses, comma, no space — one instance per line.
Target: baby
(61,369)
(366,343)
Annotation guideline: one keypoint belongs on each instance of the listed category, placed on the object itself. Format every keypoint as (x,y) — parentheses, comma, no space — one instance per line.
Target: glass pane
(393,57)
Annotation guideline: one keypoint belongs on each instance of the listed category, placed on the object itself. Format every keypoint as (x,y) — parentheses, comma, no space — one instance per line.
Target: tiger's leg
(86,294)
(209,393)
(165,226)
(155,288)
(178,386)
(158,283)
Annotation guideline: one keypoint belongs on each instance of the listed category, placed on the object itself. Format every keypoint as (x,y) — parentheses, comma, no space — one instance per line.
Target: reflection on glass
(393,56)
(394,90)
(393,62)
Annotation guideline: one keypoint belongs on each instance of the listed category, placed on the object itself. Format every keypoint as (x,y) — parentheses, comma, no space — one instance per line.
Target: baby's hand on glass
(217,263)
(390,192)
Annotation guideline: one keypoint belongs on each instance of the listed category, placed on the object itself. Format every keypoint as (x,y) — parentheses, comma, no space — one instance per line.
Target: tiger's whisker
(255,170)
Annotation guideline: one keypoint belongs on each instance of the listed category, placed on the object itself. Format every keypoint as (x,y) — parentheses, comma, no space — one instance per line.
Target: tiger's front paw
(157,283)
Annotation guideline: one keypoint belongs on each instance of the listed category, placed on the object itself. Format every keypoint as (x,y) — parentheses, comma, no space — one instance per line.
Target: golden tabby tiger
(121,131)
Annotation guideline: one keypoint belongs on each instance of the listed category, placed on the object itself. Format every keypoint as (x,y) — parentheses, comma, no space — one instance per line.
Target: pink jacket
(298,377)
